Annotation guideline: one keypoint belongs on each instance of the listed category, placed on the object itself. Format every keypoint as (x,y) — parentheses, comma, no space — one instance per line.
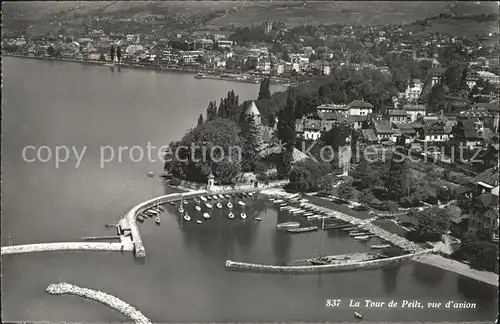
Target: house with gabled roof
(465,133)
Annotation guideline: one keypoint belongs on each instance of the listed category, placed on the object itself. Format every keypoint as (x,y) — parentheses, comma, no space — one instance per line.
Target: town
(354,143)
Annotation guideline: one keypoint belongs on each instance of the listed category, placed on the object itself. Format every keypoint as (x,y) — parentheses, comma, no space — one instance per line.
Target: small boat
(229,205)
(206,215)
(181,210)
(208,197)
(171,203)
(153,212)
(151,174)
(215,197)
(380,246)
(278,201)
(221,196)
(302,229)
(187,218)
(358,315)
(203,198)
(208,205)
(357,234)
(241,203)
(231,215)
(349,229)
(198,208)
(199,221)
(157,220)
(161,209)
(228,196)
(140,218)
(362,238)
(288,225)
(185,202)
(250,194)
(219,205)
(243,216)
(258,219)
(196,200)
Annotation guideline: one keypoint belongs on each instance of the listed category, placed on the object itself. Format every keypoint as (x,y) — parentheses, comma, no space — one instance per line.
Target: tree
(306,176)
(286,56)
(250,137)
(200,120)
(119,53)
(286,121)
(397,183)
(365,197)
(112,53)
(264,92)
(211,110)
(214,144)
(51,50)
(392,206)
(431,222)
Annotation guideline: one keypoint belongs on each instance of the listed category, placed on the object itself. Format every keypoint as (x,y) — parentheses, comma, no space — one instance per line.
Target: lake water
(183,278)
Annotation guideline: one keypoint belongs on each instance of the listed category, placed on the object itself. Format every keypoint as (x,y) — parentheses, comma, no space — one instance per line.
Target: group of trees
(479,252)
(307,176)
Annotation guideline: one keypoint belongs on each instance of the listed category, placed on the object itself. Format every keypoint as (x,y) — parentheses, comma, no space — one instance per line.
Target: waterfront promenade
(426,258)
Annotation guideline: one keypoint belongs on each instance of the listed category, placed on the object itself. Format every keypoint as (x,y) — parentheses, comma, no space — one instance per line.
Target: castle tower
(253,111)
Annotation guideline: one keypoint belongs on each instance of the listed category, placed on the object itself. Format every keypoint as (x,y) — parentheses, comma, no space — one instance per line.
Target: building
(413,91)
(397,116)
(312,129)
(359,108)
(488,76)
(383,131)
(415,111)
(484,211)
(435,131)
(465,133)
(332,108)
(226,44)
(436,75)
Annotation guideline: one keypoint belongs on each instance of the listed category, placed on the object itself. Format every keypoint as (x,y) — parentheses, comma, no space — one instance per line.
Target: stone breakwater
(106,299)
(360,265)
(65,246)
(362,223)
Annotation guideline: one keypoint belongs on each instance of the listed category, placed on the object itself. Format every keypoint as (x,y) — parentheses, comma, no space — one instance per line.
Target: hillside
(221,13)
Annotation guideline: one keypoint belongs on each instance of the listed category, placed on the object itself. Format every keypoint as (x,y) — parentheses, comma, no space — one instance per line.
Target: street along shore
(207,73)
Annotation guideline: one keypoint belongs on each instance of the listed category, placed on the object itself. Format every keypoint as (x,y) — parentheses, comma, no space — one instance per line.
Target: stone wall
(372,264)
(65,246)
(109,300)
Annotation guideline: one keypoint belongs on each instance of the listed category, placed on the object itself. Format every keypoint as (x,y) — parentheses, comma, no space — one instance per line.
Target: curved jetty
(106,299)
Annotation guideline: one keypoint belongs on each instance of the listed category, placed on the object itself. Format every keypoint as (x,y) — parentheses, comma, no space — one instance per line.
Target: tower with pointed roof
(253,111)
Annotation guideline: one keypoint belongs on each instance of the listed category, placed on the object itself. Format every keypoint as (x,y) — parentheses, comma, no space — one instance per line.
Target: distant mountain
(18,15)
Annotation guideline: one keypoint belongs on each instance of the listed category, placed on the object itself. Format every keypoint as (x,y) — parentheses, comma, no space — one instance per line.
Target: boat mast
(322,231)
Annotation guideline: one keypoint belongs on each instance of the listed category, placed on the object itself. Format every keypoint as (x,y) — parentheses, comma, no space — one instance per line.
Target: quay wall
(65,246)
(106,299)
(139,248)
(361,265)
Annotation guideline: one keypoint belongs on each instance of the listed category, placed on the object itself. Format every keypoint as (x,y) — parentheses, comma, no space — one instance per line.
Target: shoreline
(460,268)
(210,74)
(438,261)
